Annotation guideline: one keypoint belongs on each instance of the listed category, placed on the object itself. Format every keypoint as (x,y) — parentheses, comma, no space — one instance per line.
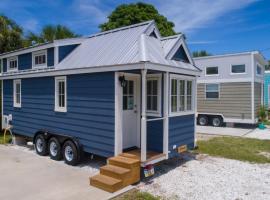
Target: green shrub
(262,114)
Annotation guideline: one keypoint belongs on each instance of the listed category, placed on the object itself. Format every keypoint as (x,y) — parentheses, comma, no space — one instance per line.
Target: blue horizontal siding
(65,50)
(25,61)
(50,57)
(155,135)
(89,116)
(181,132)
(4,65)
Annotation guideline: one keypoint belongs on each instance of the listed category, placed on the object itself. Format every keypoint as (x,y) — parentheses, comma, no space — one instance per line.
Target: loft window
(153,92)
(259,70)
(238,69)
(60,94)
(181,95)
(210,71)
(180,55)
(12,64)
(212,91)
(17,93)
(40,58)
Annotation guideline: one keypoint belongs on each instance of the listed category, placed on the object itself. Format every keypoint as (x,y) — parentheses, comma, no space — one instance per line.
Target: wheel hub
(39,145)
(69,153)
(53,149)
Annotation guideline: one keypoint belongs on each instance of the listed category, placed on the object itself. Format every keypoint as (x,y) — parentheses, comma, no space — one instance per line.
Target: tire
(217,121)
(70,153)
(41,146)
(54,148)
(203,120)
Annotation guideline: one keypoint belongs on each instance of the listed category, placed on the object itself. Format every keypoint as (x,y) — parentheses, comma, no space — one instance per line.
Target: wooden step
(106,183)
(124,162)
(128,155)
(115,172)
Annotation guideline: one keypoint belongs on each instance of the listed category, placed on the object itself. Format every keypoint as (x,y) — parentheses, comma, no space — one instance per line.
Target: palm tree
(11,35)
(50,33)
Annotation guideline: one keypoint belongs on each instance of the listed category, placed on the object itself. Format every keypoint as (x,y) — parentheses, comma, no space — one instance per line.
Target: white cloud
(193,14)
(203,42)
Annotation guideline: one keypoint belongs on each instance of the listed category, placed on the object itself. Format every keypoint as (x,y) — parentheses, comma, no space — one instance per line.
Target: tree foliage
(201,53)
(50,33)
(128,14)
(11,35)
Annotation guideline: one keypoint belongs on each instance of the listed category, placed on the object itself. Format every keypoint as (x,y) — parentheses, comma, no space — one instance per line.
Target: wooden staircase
(121,171)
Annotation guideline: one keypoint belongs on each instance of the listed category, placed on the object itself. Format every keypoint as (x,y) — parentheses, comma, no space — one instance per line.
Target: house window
(128,95)
(212,91)
(211,71)
(153,95)
(181,95)
(17,93)
(259,70)
(60,94)
(238,69)
(40,58)
(12,64)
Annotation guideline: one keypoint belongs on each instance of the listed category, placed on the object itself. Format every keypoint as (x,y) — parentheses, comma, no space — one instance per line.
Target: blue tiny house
(104,94)
(267,89)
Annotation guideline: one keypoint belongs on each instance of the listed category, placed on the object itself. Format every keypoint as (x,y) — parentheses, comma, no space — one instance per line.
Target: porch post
(166,114)
(143,117)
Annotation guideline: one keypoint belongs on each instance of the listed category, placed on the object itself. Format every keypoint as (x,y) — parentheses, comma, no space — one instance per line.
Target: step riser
(114,174)
(108,188)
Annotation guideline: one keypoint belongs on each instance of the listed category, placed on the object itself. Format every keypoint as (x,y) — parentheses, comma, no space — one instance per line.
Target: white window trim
(56,97)
(38,53)
(8,64)
(258,65)
(158,78)
(15,104)
(205,91)
(233,73)
(211,74)
(186,78)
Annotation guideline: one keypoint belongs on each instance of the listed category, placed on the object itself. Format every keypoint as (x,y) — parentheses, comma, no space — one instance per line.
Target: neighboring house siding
(50,57)
(89,116)
(25,61)
(65,50)
(266,89)
(155,135)
(181,132)
(4,65)
(234,100)
(257,97)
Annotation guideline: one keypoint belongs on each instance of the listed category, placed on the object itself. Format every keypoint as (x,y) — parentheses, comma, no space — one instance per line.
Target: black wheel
(203,120)
(54,149)
(70,153)
(41,145)
(217,121)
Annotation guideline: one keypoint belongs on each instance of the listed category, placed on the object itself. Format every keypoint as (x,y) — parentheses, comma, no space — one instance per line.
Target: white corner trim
(143,54)
(166,115)
(252,86)
(143,116)
(15,104)
(56,97)
(56,55)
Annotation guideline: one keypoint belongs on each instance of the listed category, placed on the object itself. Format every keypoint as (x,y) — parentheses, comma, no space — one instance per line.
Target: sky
(217,26)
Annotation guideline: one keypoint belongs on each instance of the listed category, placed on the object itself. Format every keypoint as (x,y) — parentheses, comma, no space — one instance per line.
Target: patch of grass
(244,149)
(136,195)
(7,140)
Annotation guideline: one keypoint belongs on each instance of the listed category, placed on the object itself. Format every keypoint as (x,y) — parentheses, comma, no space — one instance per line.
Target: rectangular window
(60,94)
(259,70)
(212,91)
(211,71)
(128,95)
(153,94)
(181,95)
(238,69)
(12,64)
(17,93)
(40,58)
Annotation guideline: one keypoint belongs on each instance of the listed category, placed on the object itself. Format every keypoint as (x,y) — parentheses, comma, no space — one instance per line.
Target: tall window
(40,59)
(212,91)
(238,69)
(128,95)
(153,95)
(181,95)
(17,93)
(60,94)
(259,70)
(210,71)
(12,64)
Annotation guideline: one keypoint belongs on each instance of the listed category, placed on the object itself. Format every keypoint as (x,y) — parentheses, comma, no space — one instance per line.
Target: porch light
(123,81)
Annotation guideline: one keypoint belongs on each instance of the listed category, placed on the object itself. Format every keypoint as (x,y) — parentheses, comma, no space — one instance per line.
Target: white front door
(131,130)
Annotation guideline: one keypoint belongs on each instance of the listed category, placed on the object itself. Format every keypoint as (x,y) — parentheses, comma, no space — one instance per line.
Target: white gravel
(208,177)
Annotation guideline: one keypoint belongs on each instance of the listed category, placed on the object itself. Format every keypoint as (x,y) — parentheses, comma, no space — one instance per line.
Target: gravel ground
(205,177)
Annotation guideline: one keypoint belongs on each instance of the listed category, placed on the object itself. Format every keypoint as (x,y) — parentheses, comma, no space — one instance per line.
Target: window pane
(212,87)
(149,99)
(130,103)
(238,69)
(18,98)
(174,87)
(173,104)
(125,89)
(212,70)
(189,103)
(259,70)
(124,102)
(149,87)
(130,87)
(212,95)
(155,87)
(189,87)
(154,101)
(182,87)
(36,60)
(181,103)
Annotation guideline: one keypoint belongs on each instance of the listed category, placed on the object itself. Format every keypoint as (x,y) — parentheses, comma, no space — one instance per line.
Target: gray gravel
(206,177)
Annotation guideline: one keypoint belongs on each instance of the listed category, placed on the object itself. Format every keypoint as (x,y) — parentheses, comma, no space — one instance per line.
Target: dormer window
(12,64)
(40,59)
